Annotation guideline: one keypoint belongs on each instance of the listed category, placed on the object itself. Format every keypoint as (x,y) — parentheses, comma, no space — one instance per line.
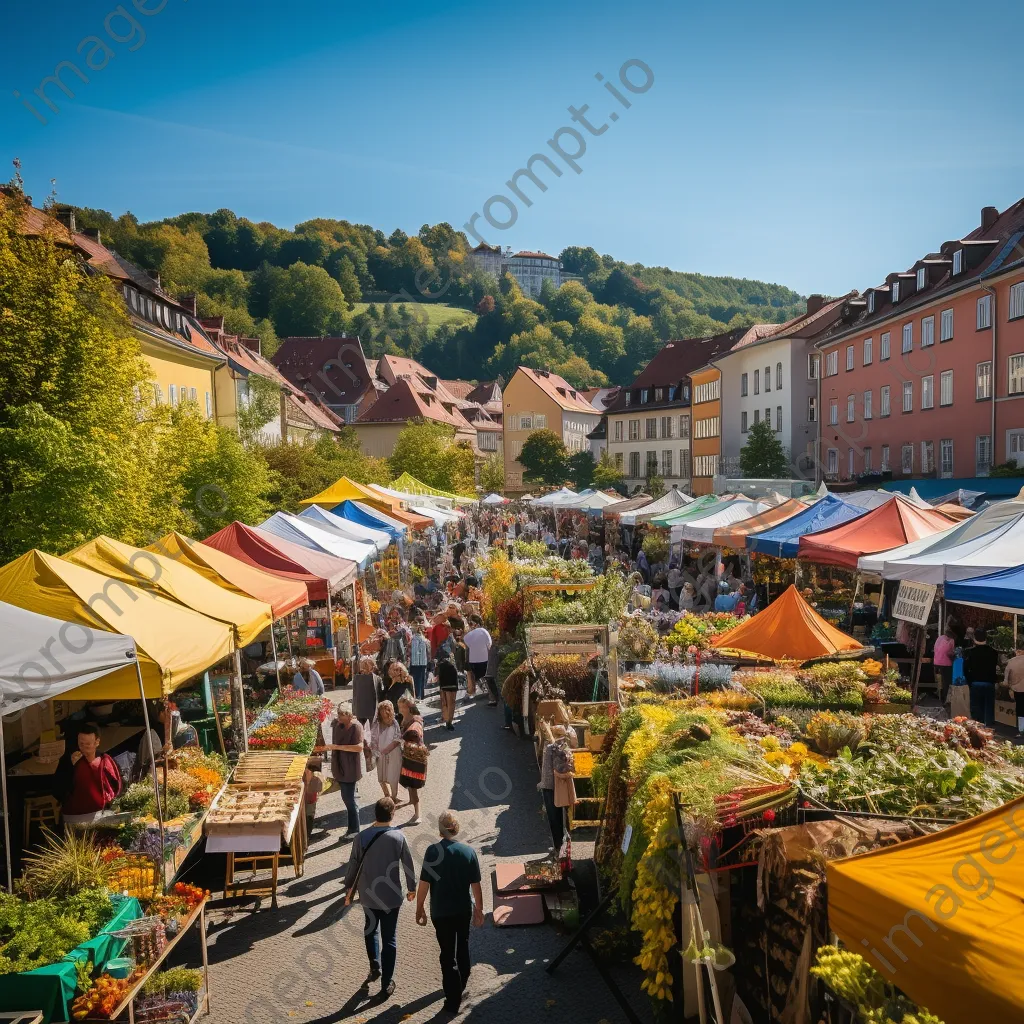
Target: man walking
(380,856)
(451,874)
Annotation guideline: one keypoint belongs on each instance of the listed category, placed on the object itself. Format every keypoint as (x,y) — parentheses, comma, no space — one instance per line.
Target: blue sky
(817,145)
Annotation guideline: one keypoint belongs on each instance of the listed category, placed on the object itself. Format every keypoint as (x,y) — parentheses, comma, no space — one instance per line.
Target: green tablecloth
(52,988)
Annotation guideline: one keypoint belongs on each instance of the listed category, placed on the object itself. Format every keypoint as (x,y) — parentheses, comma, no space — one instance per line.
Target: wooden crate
(586,640)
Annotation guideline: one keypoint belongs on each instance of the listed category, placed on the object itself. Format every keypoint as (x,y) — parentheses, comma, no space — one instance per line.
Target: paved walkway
(306,961)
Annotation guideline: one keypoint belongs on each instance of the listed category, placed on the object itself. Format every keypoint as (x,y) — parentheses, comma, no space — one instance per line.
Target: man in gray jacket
(380,856)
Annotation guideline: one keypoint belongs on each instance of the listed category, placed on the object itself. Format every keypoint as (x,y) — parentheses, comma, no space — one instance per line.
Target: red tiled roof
(334,368)
(534,255)
(558,390)
(405,400)
(484,247)
(460,388)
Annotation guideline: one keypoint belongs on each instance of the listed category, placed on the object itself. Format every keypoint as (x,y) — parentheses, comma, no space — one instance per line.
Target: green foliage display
(429,451)
(763,457)
(544,458)
(606,473)
(492,474)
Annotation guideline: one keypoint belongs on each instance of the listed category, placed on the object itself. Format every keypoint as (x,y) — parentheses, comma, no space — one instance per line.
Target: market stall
(735,533)
(347,529)
(783,540)
(672,499)
(306,533)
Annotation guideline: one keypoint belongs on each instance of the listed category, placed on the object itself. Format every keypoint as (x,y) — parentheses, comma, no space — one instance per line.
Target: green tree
(655,485)
(492,474)
(269,341)
(544,458)
(428,451)
(262,405)
(307,301)
(580,467)
(763,456)
(606,473)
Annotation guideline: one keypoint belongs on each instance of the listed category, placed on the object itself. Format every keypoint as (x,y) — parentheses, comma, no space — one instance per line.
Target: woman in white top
(386,746)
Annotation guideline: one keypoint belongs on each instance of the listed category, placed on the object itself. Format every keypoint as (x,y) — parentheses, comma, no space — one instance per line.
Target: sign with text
(914,602)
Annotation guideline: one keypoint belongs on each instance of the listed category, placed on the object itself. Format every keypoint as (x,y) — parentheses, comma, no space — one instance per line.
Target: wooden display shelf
(128,1003)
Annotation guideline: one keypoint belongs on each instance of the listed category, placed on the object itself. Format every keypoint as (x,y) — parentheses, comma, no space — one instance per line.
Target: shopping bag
(960,701)
(565,790)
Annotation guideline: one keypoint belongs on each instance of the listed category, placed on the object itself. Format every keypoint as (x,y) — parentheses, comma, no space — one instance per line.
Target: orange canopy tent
(891,525)
(789,629)
(283,595)
(735,534)
(954,511)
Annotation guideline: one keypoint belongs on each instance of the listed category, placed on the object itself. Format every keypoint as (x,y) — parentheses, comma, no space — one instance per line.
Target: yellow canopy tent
(788,629)
(343,490)
(173,579)
(941,917)
(174,644)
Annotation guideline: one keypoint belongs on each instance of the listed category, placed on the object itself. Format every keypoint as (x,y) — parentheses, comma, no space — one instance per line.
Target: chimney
(814,303)
(188,302)
(93,233)
(154,275)
(253,344)
(66,215)
(989,215)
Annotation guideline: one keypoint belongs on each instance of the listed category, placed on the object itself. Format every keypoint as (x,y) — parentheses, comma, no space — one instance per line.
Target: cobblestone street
(306,961)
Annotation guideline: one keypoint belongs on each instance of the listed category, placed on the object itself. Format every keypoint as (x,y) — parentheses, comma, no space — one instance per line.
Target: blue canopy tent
(1002,591)
(357,512)
(783,540)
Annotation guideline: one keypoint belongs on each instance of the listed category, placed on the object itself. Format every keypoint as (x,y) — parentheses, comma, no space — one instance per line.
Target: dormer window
(922,278)
(895,292)
(871,302)
(659,394)
(958,261)
(629,395)
(644,395)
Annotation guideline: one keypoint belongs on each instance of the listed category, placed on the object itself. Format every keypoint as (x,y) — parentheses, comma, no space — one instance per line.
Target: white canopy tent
(673,499)
(75,655)
(494,499)
(872,499)
(591,501)
(559,497)
(420,499)
(439,515)
(309,535)
(702,530)
(346,529)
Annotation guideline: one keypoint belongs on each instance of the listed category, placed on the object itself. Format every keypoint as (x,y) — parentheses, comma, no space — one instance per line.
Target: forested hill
(273,282)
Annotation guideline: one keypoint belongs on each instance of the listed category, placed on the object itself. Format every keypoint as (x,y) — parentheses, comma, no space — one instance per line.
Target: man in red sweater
(87,780)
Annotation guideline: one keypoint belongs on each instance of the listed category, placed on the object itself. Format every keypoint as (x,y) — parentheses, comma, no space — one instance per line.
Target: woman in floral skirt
(414,755)
(386,747)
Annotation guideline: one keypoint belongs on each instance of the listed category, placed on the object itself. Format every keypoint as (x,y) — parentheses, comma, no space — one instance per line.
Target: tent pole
(277,666)
(238,724)
(152,765)
(7,806)
(330,620)
(288,633)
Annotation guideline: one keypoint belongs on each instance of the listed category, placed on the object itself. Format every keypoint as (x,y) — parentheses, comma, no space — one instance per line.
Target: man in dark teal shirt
(451,874)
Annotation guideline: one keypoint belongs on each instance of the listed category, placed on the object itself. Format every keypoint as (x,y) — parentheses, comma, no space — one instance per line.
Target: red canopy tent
(284,559)
(893,524)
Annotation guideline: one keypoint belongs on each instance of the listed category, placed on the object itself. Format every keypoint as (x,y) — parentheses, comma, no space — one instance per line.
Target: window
(867,460)
(983,380)
(884,467)
(659,394)
(667,423)
(907,459)
(684,426)
(767,379)
(709,392)
(849,357)
(927,456)
(946,457)
(684,462)
(982,454)
(850,410)
(778,419)
(812,410)
(706,428)
(833,461)
(984,312)
(488,441)
(884,408)
(813,366)
(867,405)
(833,412)
(850,456)
(619,461)
(540,421)
(946,325)
(634,465)
(768,416)
(1017,301)
(908,338)
(832,363)
(895,292)
(927,331)
(757,382)
(651,428)
(526,421)
(666,462)
(908,396)
(958,261)
(743,385)
(757,416)
(928,391)
(193,394)
(644,395)
(617,430)
(883,347)
(629,395)
(922,278)
(172,394)
(778,376)
(209,405)
(743,421)
(1015,386)
(634,430)
(158,394)
(946,387)
(867,351)
(705,465)
(871,302)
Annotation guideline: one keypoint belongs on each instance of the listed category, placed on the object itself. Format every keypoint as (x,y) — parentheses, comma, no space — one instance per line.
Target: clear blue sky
(818,145)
